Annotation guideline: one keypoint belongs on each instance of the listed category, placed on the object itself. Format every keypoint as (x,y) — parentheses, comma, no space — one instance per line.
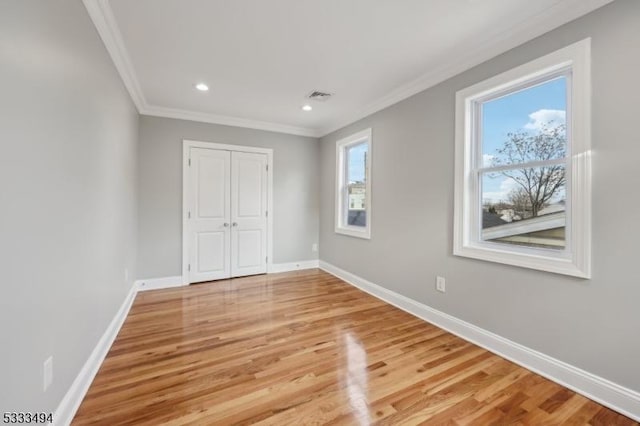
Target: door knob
(226,225)
(235,224)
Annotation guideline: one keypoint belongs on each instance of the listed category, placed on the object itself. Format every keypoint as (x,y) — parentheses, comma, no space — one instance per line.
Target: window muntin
(523,152)
(353,204)
(356,184)
(552,231)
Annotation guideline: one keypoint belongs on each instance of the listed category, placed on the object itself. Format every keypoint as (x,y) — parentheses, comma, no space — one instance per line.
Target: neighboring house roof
(357,217)
(553,208)
(526,226)
(490,220)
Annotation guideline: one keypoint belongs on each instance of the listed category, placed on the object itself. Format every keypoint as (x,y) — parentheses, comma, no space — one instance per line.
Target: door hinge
(267,167)
(189,162)
(189,267)
(266,259)
(266,214)
(189,215)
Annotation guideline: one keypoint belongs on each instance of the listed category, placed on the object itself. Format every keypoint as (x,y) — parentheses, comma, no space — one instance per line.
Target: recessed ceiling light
(307,108)
(202,87)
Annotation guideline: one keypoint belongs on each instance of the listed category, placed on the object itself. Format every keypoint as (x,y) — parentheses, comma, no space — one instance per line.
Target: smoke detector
(318,95)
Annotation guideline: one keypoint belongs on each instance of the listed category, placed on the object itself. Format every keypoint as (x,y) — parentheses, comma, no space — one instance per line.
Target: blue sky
(524,110)
(356,162)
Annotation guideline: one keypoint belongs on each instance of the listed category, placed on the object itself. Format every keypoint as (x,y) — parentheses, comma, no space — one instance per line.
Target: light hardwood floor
(306,348)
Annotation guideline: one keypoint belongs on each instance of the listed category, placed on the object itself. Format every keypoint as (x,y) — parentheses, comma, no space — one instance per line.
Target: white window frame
(575,260)
(341,175)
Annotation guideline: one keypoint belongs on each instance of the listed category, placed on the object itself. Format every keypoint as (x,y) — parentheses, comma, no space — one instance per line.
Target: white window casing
(573,62)
(341,201)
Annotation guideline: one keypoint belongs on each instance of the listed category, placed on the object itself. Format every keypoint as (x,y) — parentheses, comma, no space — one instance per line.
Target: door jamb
(186,148)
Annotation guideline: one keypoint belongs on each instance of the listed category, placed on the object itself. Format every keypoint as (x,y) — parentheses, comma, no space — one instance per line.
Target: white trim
(75,395)
(103,19)
(227,120)
(73,398)
(521,32)
(102,16)
(159,283)
(603,391)
(576,259)
(186,147)
(612,395)
(292,266)
(341,145)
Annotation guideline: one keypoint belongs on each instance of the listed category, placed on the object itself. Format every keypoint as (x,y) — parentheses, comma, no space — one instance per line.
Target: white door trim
(186,147)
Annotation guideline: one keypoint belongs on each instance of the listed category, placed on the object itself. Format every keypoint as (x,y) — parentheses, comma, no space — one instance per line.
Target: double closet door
(227,214)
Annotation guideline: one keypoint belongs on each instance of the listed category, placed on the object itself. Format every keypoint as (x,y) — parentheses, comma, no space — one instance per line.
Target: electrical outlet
(314,247)
(47,373)
(441,284)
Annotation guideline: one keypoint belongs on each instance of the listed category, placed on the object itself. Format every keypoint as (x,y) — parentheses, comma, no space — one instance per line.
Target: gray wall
(295,190)
(592,324)
(68,134)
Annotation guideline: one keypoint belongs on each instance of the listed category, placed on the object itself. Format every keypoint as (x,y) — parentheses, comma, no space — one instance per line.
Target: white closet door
(210,215)
(248,214)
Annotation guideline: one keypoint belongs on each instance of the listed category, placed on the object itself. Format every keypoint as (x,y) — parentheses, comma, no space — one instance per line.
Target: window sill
(354,232)
(540,262)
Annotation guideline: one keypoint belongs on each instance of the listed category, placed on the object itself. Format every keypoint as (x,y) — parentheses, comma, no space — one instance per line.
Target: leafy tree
(538,184)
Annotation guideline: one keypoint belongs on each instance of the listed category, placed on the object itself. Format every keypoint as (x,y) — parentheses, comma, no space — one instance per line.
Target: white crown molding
(104,21)
(612,395)
(521,32)
(102,16)
(228,121)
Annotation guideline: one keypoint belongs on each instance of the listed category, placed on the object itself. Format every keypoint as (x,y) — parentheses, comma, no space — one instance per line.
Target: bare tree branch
(538,186)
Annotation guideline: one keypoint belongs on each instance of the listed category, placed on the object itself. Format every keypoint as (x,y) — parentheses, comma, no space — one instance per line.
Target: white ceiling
(261,58)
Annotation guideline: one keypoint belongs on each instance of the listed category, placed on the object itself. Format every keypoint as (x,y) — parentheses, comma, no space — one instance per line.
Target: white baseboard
(293,266)
(159,283)
(178,281)
(74,396)
(612,395)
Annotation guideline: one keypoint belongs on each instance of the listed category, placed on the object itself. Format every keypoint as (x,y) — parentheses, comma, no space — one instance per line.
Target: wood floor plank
(307,348)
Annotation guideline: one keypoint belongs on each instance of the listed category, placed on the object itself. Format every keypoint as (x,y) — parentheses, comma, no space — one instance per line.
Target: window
(353,185)
(523,165)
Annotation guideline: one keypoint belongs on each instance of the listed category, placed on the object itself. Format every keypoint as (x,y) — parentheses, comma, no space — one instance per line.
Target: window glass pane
(357,184)
(524,126)
(525,207)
